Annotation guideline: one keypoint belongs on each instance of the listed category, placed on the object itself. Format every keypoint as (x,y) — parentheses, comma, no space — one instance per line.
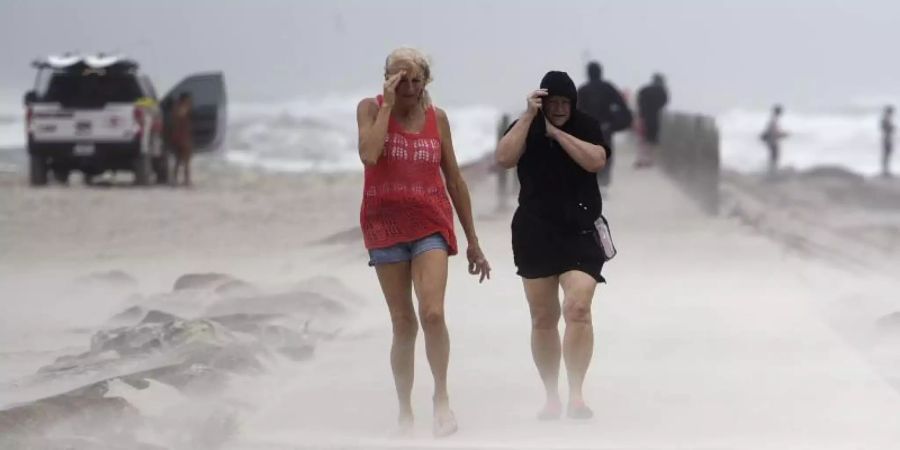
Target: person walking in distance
(887,140)
(772,136)
(651,100)
(601,99)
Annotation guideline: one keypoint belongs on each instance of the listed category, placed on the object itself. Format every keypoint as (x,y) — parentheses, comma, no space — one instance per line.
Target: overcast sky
(716,55)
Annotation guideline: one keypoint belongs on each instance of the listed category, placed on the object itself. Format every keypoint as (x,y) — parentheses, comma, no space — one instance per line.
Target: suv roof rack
(96,61)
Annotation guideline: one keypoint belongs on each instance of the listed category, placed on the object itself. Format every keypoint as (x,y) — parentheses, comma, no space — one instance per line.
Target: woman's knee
(405,325)
(432,318)
(543,302)
(577,311)
(544,318)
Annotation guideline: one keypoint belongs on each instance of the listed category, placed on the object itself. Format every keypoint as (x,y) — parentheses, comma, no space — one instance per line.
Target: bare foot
(579,410)
(444,423)
(404,424)
(552,410)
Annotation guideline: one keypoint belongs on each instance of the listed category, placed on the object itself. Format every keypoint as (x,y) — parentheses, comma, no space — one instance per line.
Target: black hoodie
(554,188)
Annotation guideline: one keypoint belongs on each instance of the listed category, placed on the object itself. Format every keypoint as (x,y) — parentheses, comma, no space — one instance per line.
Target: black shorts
(540,250)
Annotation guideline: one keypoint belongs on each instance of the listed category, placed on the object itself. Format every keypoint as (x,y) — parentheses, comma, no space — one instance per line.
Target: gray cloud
(715,55)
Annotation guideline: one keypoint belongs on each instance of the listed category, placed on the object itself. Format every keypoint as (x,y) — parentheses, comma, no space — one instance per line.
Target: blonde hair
(417,58)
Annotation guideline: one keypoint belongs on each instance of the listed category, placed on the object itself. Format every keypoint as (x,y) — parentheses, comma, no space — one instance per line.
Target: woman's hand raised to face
(552,130)
(390,88)
(535,101)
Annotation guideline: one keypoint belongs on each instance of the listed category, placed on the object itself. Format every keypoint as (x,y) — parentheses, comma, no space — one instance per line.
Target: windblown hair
(417,58)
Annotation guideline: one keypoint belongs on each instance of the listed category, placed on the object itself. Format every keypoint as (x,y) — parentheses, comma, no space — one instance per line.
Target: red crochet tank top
(404,197)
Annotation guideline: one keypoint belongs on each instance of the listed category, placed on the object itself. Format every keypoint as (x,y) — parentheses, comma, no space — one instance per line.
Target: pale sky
(716,55)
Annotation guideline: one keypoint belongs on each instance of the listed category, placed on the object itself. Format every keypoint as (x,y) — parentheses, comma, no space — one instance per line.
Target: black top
(651,100)
(601,100)
(554,188)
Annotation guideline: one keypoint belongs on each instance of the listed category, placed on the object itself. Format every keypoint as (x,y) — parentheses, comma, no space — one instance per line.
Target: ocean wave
(12,134)
(304,135)
(850,139)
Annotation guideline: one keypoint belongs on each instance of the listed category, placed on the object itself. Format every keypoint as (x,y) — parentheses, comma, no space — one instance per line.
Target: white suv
(99,113)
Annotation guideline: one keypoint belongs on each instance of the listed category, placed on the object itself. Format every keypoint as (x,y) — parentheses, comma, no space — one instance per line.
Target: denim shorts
(406,251)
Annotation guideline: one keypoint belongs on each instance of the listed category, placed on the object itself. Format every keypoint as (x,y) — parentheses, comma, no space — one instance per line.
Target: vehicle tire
(61,175)
(142,168)
(37,174)
(162,168)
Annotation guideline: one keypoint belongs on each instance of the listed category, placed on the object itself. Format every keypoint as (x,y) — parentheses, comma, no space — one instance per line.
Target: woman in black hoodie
(557,151)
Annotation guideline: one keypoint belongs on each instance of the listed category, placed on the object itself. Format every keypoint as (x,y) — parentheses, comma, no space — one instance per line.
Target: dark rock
(833,172)
(202,281)
(234,358)
(130,315)
(196,356)
(304,302)
(236,288)
(156,334)
(245,322)
(330,286)
(77,411)
(191,377)
(128,340)
(138,382)
(156,316)
(299,353)
(112,278)
(84,361)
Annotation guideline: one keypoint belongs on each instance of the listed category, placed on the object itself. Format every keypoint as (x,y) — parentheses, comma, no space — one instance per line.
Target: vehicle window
(147,85)
(203,91)
(42,81)
(92,90)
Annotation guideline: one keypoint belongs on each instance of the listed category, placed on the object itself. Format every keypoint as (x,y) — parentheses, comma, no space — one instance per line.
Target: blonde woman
(407,221)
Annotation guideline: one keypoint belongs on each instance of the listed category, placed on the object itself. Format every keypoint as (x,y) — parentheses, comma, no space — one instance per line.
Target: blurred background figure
(651,100)
(503,175)
(887,140)
(772,136)
(601,100)
(182,138)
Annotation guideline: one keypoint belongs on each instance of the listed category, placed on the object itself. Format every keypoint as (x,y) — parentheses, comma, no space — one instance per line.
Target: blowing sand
(710,334)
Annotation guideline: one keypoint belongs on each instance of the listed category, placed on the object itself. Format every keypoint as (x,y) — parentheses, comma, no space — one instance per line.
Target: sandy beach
(713,332)
(754,303)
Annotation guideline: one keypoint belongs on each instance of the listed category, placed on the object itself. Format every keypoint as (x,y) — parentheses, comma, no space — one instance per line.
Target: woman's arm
(512,145)
(459,195)
(590,157)
(372,122)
